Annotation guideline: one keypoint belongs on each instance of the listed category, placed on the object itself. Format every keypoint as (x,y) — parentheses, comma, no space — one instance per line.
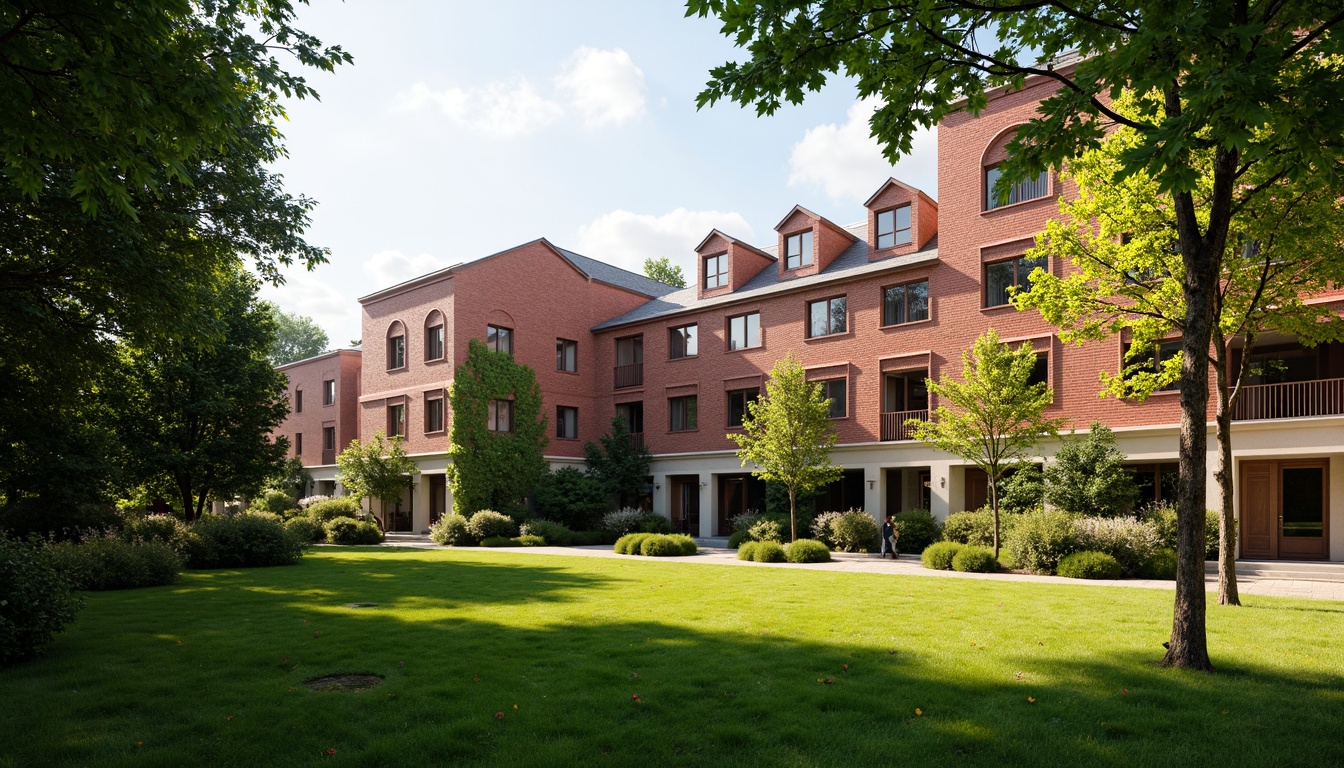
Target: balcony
(328,456)
(637,441)
(895,428)
(630,375)
(1294,399)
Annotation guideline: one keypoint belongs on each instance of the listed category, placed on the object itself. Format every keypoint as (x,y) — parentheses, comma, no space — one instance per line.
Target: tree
(1088,475)
(195,418)
(296,337)
(664,271)
(1219,76)
(787,434)
(996,415)
(379,470)
(572,498)
(619,464)
(494,468)
(1121,240)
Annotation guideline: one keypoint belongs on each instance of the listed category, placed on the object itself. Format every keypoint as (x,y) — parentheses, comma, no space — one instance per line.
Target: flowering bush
(1127,539)
(852,531)
(743,521)
(765,530)
(307,501)
(631,520)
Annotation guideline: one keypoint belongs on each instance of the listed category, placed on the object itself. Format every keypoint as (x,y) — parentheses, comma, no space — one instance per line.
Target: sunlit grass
(731,664)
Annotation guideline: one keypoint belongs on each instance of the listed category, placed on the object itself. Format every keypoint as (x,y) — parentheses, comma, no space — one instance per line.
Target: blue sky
(463,129)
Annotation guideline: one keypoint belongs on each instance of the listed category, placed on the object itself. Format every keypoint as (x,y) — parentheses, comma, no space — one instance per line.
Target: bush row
(954,556)
(655,545)
(800,551)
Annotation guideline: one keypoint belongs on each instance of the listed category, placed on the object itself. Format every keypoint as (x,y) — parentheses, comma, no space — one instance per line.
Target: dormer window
(893,227)
(716,271)
(798,250)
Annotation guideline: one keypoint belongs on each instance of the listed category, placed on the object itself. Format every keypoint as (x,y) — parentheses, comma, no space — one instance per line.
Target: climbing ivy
(494,470)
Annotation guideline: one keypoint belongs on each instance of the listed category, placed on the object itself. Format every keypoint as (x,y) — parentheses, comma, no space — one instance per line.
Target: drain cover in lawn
(347,682)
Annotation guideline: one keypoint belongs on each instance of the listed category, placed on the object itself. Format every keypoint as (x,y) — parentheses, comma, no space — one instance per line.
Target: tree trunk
(188,498)
(1227,525)
(793,513)
(994,505)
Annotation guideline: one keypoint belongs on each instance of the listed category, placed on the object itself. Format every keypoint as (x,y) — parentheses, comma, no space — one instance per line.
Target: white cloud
(847,163)
(604,86)
(503,109)
(626,239)
(306,294)
(387,268)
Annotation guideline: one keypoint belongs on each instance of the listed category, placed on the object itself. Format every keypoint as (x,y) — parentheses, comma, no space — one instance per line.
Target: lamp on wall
(657,486)
(871,484)
(942,482)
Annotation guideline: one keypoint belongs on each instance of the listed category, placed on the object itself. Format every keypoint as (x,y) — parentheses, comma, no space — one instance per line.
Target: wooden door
(438,496)
(1259,528)
(686,504)
(1285,509)
(732,502)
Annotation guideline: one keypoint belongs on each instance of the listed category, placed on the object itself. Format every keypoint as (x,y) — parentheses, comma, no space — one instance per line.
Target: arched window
(396,346)
(993,157)
(434,336)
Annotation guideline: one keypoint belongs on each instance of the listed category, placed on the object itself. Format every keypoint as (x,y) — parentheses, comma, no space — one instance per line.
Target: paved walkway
(909,565)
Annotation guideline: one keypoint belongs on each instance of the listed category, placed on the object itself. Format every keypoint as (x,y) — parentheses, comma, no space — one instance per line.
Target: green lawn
(725,661)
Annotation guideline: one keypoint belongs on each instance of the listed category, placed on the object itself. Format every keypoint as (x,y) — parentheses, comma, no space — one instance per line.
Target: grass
(725,660)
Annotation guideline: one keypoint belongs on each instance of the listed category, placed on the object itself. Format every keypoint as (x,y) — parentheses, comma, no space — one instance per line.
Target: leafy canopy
(617,461)
(1088,476)
(296,337)
(379,469)
(664,271)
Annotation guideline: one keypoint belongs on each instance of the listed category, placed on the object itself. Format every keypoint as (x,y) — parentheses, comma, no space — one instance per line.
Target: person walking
(889,537)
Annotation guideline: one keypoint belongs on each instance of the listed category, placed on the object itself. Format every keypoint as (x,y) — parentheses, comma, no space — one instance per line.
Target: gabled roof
(734,241)
(914,191)
(820,219)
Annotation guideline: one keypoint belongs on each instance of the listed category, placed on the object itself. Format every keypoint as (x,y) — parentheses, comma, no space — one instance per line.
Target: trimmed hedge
(452,530)
(104,562)
(347,531)
(738,538)
(1162,565)
(527,540)
(488,524)
(36,601)
(242,541)
(555,534)
(629,544)
(1089,565)
(916,529)
(306,529)
(975,560)
(747,550)
(807,551)
(499,541)
(769,552)
(330,509)
(939,555)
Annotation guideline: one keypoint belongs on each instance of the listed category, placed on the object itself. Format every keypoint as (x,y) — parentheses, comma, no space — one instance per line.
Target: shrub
(275,501)
(737,538)
(631,520)
(744,521)
(106,561)
(555,534)
(1023,490)
(970,527)
(747,551)
(975,560)
(1163,516)
(852,531)
(594,538)
(308,501)
(1211,535)
(1161,565)
(330,509)
(527,540)
(36,601)
(1088,476)
(164,529)
(661,545)
(688,545)
(1039,539)
(1127,539)
(655,524)
(452,530)
(347,531)
(765,530)
(769,552)
(498,541)
(1089,564)
(573,498)
(488,524)
(306,529)
(630,543)
(242,541)
(939,555)
(807,551)
(916,529)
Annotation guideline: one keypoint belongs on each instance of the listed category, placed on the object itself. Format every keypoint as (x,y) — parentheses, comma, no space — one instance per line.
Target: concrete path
(909,565)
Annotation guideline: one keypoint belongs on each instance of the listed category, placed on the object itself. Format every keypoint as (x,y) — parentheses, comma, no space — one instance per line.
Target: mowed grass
(725,661)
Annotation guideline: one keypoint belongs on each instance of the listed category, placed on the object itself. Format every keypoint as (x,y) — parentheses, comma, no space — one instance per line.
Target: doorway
(1284,509)
(685,503)
(438,495)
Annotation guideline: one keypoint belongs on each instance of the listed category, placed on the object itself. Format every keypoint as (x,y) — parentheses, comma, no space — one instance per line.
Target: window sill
(907,324)
(999,308)
(1020,204)
(829,337)
(682,431)
(395,370)
(436,433)
(436,361)
(683,357)
(569,373)
(567,439)
(744,349)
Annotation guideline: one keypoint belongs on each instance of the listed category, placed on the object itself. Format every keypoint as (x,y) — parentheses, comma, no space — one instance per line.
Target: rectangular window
(835,390)
(681,342)
(716,271)
(1020,192)
(737,404)
(893,227)
(434,411)
(1156,360)
(500,418)
(798,250)
(499,339)
(434,343)
(328,438)
(1040,372)
(744,331)
(298,443)
(826,317)
(329,392)
(566,355)
(396,420)
(1001,277)
(298,401)
(682,416)
(396,353)
(566,422)
(907,303)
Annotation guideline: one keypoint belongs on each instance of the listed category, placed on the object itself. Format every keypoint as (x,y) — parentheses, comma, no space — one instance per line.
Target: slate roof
(613,275)
(852,262)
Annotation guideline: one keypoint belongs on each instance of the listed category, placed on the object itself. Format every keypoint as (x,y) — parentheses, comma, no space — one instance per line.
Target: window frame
(748,395)
(1042,357)
(397,427)
(830,317)
(905,303)
(990,203)
(396,352)
(493,413)
(746,331)
(328,432)
(1155,361)
(689,411)
(298,399)
(560,411)
(826,385)
(498,331)
(692,342)
(328,391)
(430,357)
(720,273)
(431,398)
(561,347)
(1021,281)
(298,443)
(896,231)
(806,255)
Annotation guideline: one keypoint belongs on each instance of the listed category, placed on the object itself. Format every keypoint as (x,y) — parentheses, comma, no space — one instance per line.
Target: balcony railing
(1322,397)
(630,375)
(637,441)
(894,427)
(328,455)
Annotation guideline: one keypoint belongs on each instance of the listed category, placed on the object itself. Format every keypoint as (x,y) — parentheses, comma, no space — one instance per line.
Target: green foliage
(977,527)
(687,543)
(915,529)
(618,463)
(664,271)
(630,543)
(526,540)
(852,531)
(594,538)
(306,529)
(939,556)
(766,530)
(292,478)
(787,434)
(573,498)
(1089,565)
(242,541)
(347,531)
(499,541)
(344,506)
(1163,517)
(1162,565)
(1130,541)
(488,524)
(1088,476)
(768,552)
(274,501)
(491,470)
(555,534)
(377,470)
(1023,490)
(737,538)
(36,601)
(777,504)
(665,545)
(107,561)
(296,337)
(630,520)
(164,529)
(747,551)
(744,521)
(1040,539)
(975,560)
(807,551)
(452,530)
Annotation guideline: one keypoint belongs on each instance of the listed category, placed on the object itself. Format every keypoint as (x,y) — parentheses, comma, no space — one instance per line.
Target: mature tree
(379,469)
(498,434)
(196,416)
(572,498)
(994,417)
(787,434)
(620,463)
(296,336)
(664,271)
(1220,75)
(1023,488)
(1088,475)
(1121,239)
